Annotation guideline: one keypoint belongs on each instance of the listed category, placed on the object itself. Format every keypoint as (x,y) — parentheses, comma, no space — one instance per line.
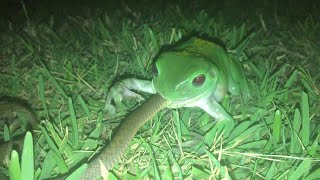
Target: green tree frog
(195,73)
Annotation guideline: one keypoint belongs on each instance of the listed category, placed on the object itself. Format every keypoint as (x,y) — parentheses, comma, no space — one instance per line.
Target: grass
(65,68)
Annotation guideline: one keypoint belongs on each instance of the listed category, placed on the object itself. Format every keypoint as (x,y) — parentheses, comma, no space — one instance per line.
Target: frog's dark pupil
(154,70)
(199,80)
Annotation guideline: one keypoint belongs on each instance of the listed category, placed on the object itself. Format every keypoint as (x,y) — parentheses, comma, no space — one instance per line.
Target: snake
(130,126)
(113,152)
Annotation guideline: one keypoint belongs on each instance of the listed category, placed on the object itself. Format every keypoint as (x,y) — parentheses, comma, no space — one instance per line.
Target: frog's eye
(199,80)
(154,70)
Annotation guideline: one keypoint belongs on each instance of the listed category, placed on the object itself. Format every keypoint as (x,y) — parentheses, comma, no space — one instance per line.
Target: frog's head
(183,78)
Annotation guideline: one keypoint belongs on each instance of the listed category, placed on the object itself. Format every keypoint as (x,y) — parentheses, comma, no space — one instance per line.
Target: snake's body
(114,150)
(119,143)
(11,104)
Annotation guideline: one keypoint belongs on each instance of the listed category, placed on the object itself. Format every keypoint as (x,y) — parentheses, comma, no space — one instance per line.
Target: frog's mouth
(186,101)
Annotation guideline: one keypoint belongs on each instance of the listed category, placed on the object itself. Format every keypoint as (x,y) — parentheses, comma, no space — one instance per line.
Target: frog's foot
(111,109)
(117,94)
(212,107)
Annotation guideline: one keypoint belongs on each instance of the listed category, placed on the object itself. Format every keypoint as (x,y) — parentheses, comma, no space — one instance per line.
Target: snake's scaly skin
(115,149)
(11,104)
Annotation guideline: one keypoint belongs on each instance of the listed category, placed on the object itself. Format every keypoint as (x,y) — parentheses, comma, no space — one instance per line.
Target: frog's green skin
(178,70)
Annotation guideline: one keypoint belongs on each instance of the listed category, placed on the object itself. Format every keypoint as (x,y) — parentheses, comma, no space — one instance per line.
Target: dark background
(233,10)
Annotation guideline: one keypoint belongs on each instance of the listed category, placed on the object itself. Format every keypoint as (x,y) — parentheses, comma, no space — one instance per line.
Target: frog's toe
(110,109)
(131,94)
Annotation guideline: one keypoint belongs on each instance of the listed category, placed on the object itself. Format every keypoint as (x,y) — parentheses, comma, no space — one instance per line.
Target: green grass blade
(56,154)
(176,164)
(77,173)
(84,106)
(283,175)
(43,95)
(167,174)
(253,145)
(242,45)
(74,125)
(295,145)
(302,169)
(256,70)
(313,175)
(305,131)
(14,167)
(6,133)
(175,115)
(153,161)
(54,82)
(276,134)
(199,173)
(314,147)
(243,126)
(49,163)
(271,171)
(291,79)
(245,135)
(27,166)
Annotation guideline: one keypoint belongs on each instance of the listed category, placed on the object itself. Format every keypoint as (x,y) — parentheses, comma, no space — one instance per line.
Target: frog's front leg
(212,107)
(125,89)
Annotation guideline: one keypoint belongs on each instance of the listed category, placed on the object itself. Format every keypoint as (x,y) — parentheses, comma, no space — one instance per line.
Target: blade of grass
(305,131)
(77,173)
(84,106)
(54,82)
(55,137)
(154,40)
(244,136)
(42,95)
(253,145)
(6,133)
(178,133)
(256,70)
(176,164)
(215,162)
(239,129)
(14,166)
(74,125)
(254,171)
(295,146)
(199,173)
(27,166)
(243,44)
(291,79)
(59,160)
(276,134)
(313,175)
(138,174)
(283,175)
(271,171)
(49,163)
(314,147)
(154,161)
(302,169)
(167,174)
